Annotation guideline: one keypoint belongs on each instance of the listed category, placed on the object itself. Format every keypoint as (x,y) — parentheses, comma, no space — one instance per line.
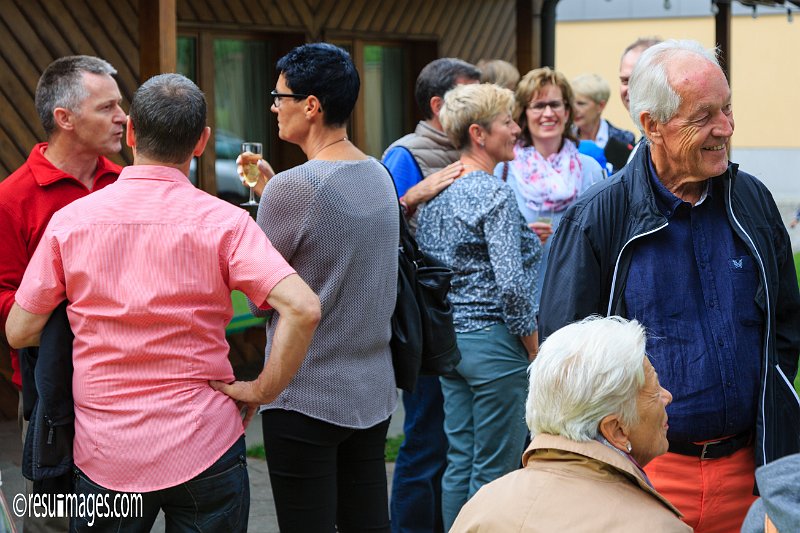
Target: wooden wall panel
(36,32)
(470,29)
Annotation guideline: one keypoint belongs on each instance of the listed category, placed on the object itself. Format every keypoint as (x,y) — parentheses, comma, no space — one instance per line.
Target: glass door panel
(385,99)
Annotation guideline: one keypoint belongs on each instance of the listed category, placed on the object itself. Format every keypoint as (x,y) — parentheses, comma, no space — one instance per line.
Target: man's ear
(130,137)
(201,142)
(436,105)
(63,118)
(651,127)
(615,432)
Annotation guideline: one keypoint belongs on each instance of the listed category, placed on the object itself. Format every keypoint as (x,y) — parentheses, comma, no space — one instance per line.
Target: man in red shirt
(78,102)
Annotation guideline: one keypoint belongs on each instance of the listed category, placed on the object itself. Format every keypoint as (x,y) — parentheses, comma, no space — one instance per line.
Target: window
(386,109)
(240,81)
(385,97)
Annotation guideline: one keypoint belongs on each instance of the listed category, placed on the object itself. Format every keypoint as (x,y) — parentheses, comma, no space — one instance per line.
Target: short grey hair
(470,104)
(584,372)
(649,87)
(168,113)
(641,44)
(592,86)
(61,85)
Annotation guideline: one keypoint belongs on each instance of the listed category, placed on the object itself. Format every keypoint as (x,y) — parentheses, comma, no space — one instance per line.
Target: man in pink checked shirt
(147,265)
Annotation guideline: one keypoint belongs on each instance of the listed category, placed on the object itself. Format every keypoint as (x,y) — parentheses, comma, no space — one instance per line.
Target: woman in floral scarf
(547,173)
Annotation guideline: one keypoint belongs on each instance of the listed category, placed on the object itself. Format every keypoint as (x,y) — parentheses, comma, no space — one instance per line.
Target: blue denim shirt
(693,285)
(475,227)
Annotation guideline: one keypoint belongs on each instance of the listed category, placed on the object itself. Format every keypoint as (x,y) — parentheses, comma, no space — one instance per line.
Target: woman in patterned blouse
(475,227)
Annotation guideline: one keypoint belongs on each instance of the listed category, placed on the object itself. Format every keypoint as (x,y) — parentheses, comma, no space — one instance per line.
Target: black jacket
(590,258)
(47,392)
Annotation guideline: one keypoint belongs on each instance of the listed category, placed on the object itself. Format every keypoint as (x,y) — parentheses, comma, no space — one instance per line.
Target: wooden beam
(158,38)
(536,34)
(206,76)
(722,28)
(527,44)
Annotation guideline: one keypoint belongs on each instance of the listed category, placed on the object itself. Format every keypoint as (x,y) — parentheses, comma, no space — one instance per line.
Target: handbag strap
(407,240)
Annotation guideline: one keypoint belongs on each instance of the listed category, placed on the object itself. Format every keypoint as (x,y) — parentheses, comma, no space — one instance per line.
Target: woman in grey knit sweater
(335,221)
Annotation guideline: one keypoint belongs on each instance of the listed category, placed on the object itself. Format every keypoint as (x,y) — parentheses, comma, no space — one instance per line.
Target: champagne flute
(545,215)
(251,154)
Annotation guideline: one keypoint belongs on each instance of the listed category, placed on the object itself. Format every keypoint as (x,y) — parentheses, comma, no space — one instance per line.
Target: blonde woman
(475,227)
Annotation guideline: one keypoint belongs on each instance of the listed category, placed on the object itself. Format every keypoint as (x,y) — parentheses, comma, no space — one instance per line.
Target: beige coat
(573,487)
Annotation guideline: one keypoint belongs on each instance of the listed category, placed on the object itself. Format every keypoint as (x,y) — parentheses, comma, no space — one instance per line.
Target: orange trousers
(713,495)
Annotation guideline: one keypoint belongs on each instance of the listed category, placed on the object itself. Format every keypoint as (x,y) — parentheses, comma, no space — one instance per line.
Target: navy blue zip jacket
(591,255)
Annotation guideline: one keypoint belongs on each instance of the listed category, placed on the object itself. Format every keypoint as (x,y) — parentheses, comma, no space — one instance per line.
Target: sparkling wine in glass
(251,154)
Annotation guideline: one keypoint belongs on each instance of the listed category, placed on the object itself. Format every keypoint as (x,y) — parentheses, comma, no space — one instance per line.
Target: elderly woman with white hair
(475,227)
(598,415)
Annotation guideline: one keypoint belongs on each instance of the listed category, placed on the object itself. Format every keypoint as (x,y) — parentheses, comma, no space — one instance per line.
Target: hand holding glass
(543,227)
(251,155)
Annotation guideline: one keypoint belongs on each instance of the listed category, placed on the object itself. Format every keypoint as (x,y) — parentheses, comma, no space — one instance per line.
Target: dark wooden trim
(527,55)
(207,173)
(158,37)
(237,29)
(332,34)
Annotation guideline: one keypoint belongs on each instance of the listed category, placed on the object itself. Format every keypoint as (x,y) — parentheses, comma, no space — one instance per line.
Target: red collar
(45,173)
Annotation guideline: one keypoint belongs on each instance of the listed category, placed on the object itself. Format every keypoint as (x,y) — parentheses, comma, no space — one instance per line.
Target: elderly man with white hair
(597,414)
(694,249)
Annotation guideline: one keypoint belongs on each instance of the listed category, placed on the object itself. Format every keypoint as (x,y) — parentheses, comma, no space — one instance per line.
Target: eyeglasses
(276,97)
(539,107)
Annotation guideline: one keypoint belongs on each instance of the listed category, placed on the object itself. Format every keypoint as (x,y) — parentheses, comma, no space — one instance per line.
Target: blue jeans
(416,503)
(484,406)
(218,499)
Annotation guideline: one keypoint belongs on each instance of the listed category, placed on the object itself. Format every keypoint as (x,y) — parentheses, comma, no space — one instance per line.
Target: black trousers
(326,476)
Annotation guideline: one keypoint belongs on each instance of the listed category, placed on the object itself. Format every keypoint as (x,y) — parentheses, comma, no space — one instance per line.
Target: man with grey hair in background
(628,60)
(630,56)
(694,249)
(148,264)
(78,103)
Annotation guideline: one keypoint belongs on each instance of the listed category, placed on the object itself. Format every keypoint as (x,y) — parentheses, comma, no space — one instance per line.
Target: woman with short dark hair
(335,220)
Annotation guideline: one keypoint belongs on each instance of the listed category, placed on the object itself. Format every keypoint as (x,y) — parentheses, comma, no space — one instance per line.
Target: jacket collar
(425,130)
(640,175)
(642,197)
(599,452)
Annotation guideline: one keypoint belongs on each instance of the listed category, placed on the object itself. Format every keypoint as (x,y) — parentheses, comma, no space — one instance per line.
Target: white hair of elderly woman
(649,87)
(584,372)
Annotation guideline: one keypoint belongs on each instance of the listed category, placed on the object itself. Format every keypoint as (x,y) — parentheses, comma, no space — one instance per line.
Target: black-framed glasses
(276,97)
(539,106)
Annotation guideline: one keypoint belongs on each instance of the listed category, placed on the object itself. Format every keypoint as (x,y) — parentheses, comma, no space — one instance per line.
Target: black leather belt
(714,449)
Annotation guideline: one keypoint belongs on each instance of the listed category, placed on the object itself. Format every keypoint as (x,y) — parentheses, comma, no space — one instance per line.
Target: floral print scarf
(548,184)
